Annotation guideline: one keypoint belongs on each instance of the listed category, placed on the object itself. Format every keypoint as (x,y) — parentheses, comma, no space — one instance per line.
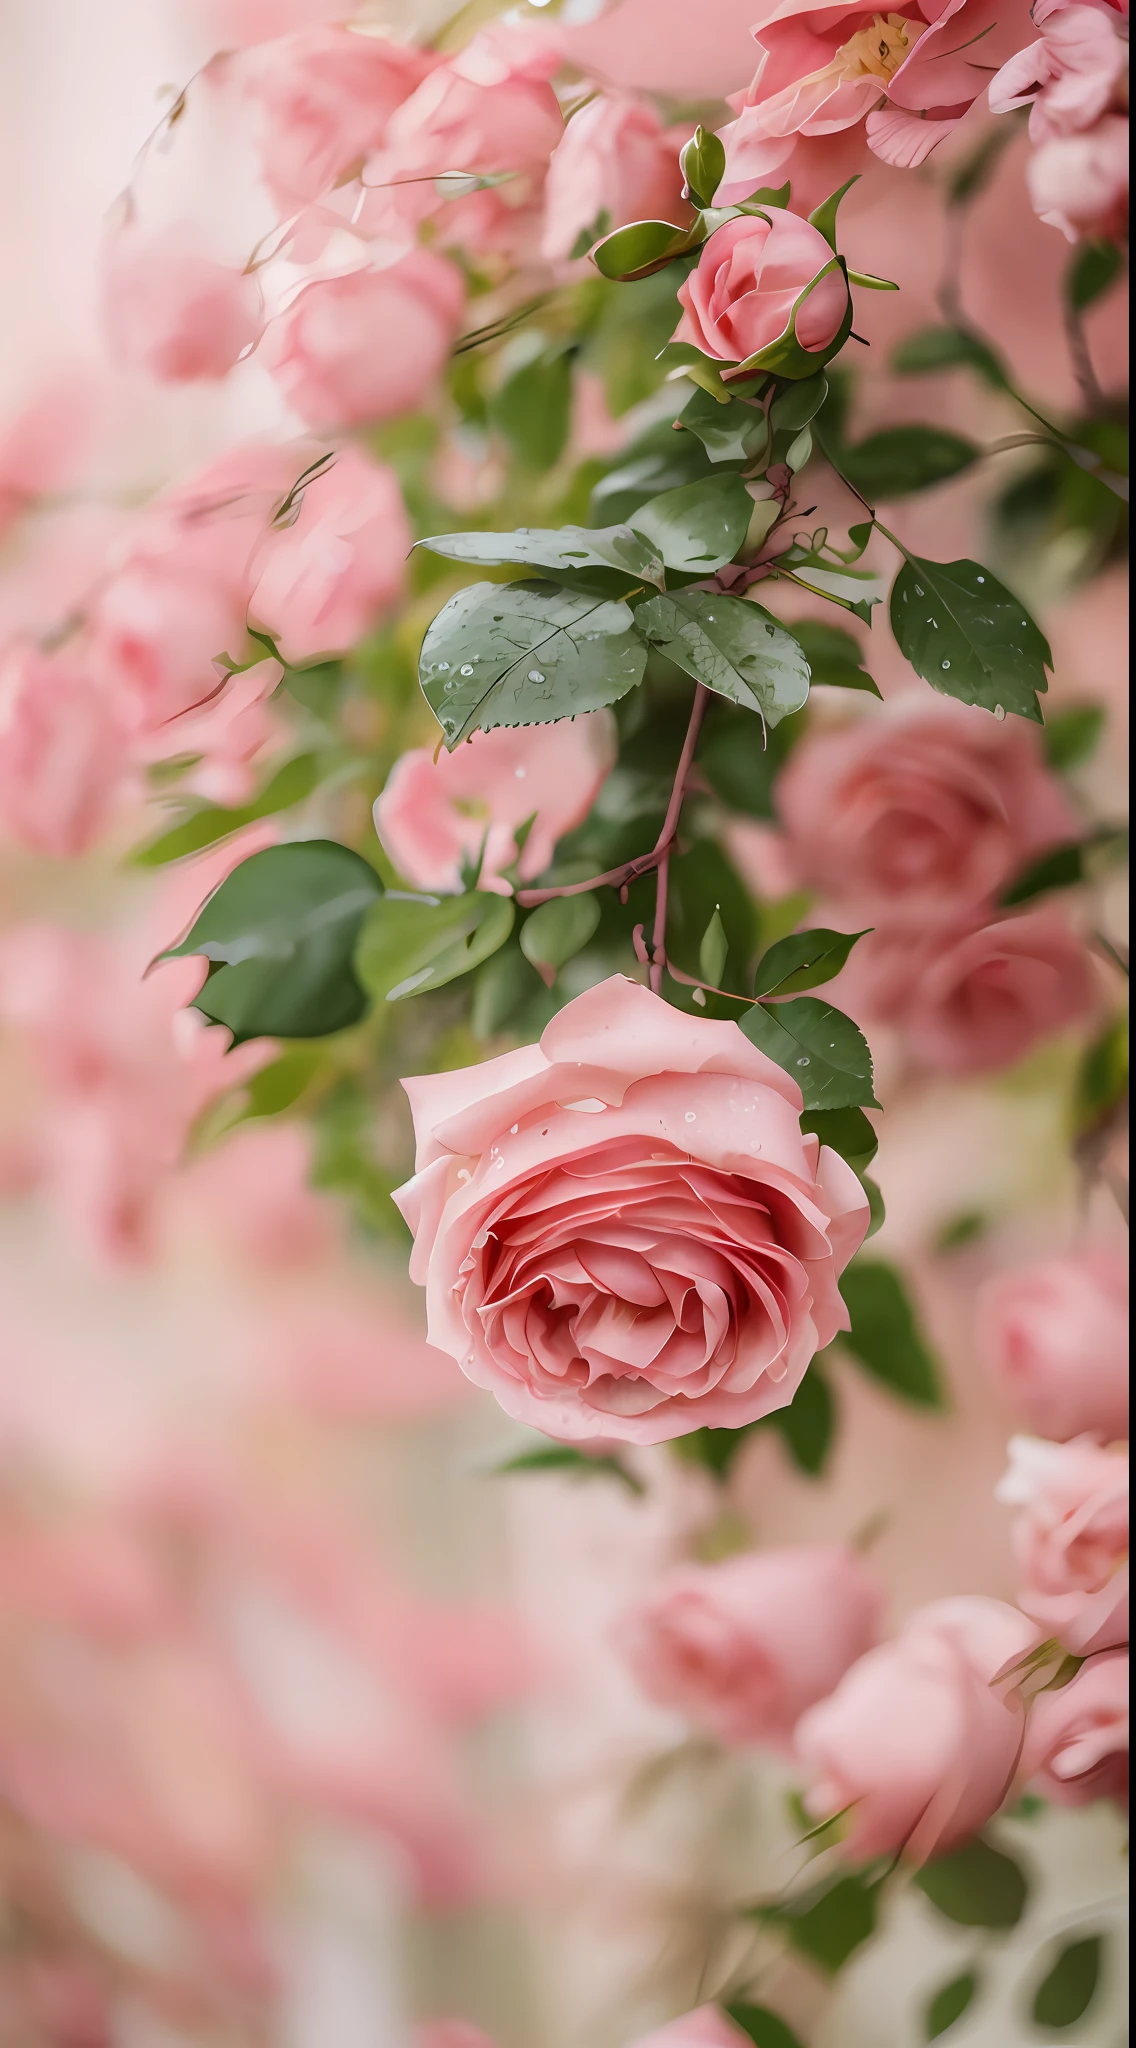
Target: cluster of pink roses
(1074,79)
(912,822)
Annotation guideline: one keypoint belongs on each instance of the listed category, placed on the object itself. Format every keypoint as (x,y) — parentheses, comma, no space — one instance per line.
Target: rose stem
(668,835)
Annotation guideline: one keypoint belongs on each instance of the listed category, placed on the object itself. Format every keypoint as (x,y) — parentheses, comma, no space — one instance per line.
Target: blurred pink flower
(1071,1538)
(706,2027)
(918,1740)
(43,442)
(228,732)
(434,813)
(358,1358)
(173,311)
(1055,1336)
(320,580)
(253,1189)
(490,108)
(617,161)
(369,345)
(451,2034)
(744,1646)
(1077,1738)
(63,761)
(1070,76)
(919,814)
(324,96)
(751,273)
(1079,183)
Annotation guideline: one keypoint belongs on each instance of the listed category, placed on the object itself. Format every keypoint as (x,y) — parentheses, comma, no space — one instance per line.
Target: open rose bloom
(622,1231)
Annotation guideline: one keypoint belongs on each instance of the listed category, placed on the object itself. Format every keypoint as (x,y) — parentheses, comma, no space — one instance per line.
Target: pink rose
(617,160)
(920,815)
(972,1002)
(364,347)
(743,1647)
(62,752)
(1077,1739)
(1069,77)
(171,310)
(1055,1335)
(706,2027)
(740,298)
(919,1739)
(433,814)
(1079,183)
(324,96)
(44,441)
(1071,1538)
(622,1232)
(490,108)
(320,581)
(226,735)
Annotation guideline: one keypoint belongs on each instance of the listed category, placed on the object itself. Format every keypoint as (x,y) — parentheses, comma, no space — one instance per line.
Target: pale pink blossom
(1071,1538)
(435,812)
(490,108)
(919,815)
(254,1192)
(324,96)
(705,2027)
(43,442)
(744,1646)
(740,297)
(334,563)
(621,1230)
(920,1741)
(1055,1337)
(1079,183)
(1071,75)
(171,309)
(229,732)
(369,345)
(1076,1746)
(62,751)
(618,162)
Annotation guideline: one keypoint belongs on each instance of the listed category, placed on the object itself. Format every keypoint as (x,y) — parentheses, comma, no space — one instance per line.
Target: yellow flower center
(879,51)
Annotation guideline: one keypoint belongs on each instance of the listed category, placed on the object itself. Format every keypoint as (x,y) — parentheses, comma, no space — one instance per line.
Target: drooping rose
(918,1739)
(919,815)
(744,1646)
(367,346)
(1076,1745)
(62,752)
(320,581)
(750,275)
(621,1230)
(433,814)
(171,309)
(324,96)
(1079,183)
(705,2027)
(1055,1336)
(617,163)
(1071,1538)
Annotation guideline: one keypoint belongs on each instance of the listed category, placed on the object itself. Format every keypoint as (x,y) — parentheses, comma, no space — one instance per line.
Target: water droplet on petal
(513,1129)
(999,712)
(690,1117)
(520,773)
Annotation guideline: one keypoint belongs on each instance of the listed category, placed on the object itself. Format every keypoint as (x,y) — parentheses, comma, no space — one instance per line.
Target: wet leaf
(526,654)
(732,646)
(968,636)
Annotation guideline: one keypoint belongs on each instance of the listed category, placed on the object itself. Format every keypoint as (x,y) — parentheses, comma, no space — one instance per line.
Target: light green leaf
(885,1337)
(1072,736)
(290,785)
(409,944)
(1070,1985)
(526,654)
(803,960)
(824,1051)
(968,636)
(799,451)
(732,646)
(699,527)
(734,432)
(949,2004)
(533,408)
(563,547)
(557,931)
(713,950)
(702,162)
(797,404)
(833,656)
(279,934)
(823,217)
(976,1886)
(644,246)
(899,460)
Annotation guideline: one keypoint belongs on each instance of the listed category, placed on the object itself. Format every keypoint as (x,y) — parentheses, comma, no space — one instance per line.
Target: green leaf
(847,1131)
(1092,271)
(713,950)
(833,656)
(830,1921)
(644,246)
(279,934)
(732,646)
(764,2028)
(533,408)
(290,785)
(803,960)
(962,1229)
(562,1458)
(564,547)
(798,403)
(409,944)
(505,985)
(822,1049)
(1070,1985)
(659,461)
(808,1425)
(975,1886)
(741,758)
(823,217)
(699,527)
(877,1212)
(557,931)
(702,162)
(949,2004)
(949,348)
(1102,1080)
(526,654)
(899,460)
(282,1082)
(734,432)
(1063,867)
(969,637)
(1072,736)
(885,1338)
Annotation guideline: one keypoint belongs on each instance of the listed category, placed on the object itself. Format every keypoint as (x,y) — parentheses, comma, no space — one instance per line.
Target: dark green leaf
(885,1338)
(502,987)
(1063,867)
(833,656)
(279,935)
(699,527)
(949,2004)
(557,931)
(823,217)
(660,461)
(902,459)
(877,1212)
(702,162)
(741,758)
(797,404)
(1092,271)
(764,2028)
(532,409)
(713,950)
(702,881)
(409,944)
(646,245)
(948,348)
(975,1886)
(563,547)
(290,785)
(830,1921)
(847,1131)
(526,654)
(562,1458)
(732,646)
(803,960)
(824,1051)
(734,432)
(808,1425)
(962,1230)
(1070,737)
(969,637)
(1102,1080)
(1067,1990)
